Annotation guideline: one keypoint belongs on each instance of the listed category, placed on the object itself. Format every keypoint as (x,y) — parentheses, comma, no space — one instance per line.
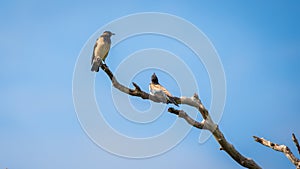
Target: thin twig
(296,142)
(186,117)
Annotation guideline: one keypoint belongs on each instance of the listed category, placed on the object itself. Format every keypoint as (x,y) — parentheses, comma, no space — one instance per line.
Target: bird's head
(154,79)
(108,33)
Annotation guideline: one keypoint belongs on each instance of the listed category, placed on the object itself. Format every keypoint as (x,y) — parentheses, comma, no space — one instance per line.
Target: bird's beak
(112,33)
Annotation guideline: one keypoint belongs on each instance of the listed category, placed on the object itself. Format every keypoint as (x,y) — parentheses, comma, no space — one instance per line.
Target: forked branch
(281,148)
(194,101)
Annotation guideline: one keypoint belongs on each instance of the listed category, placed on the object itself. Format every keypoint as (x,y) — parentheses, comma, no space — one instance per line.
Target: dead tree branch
(208,124)
(281,148)
(194,101)
(187,118)
(296,142)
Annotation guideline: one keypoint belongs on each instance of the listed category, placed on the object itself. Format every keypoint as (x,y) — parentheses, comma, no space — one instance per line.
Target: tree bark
(281,148)
(194,101)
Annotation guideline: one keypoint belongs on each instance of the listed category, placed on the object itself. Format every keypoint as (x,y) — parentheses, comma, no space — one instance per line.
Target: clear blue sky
(258,44)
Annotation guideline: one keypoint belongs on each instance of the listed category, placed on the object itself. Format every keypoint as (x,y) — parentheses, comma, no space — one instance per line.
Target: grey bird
(158,90)
(101,50)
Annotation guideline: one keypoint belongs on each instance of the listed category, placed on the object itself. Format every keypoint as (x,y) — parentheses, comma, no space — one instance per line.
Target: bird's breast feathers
(101,50)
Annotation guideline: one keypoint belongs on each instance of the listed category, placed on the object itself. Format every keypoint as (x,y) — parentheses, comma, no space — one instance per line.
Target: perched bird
(158,90)
(101,50)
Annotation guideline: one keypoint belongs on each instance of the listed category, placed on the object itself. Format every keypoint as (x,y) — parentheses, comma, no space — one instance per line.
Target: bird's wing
(94,52)
(169,95)
(166,91)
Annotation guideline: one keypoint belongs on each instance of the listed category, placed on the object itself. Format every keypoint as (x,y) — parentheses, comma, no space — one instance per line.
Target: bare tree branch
(187,118)
(194,101)
(133,92)
(296,142)
(214,129)
(282,148)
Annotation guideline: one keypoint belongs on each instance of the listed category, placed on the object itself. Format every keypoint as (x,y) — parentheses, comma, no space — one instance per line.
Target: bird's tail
(172,100)
(95,67)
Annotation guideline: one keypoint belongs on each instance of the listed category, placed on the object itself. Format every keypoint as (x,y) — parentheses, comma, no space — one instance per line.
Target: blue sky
(257,42)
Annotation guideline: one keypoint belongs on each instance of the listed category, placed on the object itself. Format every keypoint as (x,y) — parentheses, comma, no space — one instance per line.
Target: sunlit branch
(194,101)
